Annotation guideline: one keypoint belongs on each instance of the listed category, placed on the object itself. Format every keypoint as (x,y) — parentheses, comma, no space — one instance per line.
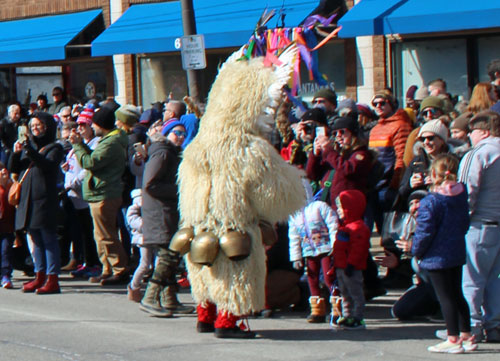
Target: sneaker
(92,272)
(353,324)
(447,347)
(469,344)
(79,272)
(6,283)
(493,335)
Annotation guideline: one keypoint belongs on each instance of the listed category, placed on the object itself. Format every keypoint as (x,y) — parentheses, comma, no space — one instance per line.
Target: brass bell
(268,233)
(235,245)
(181,241)
(204,248)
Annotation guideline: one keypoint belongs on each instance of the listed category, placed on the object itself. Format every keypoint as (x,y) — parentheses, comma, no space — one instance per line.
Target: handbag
(14,195)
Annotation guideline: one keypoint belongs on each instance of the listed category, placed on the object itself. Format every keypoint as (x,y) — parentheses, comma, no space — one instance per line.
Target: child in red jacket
(350,252)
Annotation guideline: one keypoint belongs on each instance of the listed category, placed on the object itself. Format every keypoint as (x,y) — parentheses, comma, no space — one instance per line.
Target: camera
(309,128)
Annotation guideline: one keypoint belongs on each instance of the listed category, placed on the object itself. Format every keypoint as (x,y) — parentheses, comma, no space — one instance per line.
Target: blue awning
(366,18)
(42,38)
(378,17)
(151,28)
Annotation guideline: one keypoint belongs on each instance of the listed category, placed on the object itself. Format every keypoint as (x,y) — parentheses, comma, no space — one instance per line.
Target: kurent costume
(230,179)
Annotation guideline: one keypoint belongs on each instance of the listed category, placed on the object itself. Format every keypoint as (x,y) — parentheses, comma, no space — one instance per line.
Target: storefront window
(5,91)
(424,61)
(332,65)
(159,76)
(88,80)
(35,80)
(487,49)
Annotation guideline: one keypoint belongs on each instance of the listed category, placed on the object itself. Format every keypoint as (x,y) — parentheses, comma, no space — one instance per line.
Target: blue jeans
(6,239)
(47,253)
(481,278)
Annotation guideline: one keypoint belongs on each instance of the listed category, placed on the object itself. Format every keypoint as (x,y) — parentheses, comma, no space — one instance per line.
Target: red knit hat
(85,116)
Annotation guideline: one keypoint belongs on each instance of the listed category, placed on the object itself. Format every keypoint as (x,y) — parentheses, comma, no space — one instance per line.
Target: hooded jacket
(352,170)
(353,237)
(41,155)
(442,222)
(106,164)
(160,214)
(389,138)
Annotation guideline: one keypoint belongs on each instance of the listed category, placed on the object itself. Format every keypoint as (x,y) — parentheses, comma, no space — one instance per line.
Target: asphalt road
(90,322)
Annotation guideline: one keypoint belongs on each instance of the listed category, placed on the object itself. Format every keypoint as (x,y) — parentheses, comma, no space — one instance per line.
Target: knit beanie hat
(105,118)
(418,194)
(365,110)
(316,114)
(150,116)
(432,101)
(435,126)
(346,123)
(86,115)
(385,94)
(128,114)
(169,125)
(462,122)
(326,93)
(347,107)
(422,93)
(410,93)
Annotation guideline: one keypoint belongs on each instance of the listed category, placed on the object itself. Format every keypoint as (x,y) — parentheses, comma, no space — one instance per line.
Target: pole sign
(192,52)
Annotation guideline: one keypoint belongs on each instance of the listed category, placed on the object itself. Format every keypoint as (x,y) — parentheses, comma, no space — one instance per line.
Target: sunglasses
(179,133)
(430,138)
(379,104)
(427,111)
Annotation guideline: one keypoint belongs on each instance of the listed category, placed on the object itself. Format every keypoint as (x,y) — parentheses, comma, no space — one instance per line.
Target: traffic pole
(189,27)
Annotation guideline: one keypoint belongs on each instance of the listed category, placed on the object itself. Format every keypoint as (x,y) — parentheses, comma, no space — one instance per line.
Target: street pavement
(90,322)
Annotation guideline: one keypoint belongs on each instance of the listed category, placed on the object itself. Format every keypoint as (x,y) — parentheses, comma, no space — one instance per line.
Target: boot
(150,303)
(134,295)
(207,312)
(50,287)
(318,310)
(38,282)
(170,302)
(336,302)
(225,327)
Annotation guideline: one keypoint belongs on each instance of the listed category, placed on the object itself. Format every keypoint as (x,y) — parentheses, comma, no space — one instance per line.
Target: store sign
(192,52)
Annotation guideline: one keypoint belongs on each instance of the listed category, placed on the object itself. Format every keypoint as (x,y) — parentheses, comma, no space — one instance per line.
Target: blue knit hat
(169,125)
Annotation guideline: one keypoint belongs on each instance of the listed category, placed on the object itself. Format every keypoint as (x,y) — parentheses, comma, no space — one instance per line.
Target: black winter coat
(160,214)
(38,204)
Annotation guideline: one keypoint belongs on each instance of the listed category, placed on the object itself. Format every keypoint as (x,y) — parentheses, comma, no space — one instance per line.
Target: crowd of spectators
(92,174)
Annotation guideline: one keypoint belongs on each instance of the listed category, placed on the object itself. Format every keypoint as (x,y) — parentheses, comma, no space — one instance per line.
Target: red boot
(50,287)
(206,317)
(38,282)
(225,327)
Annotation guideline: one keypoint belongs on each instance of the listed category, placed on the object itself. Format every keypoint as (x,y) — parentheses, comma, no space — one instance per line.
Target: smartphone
(139,148)
(395,236)
(320,131)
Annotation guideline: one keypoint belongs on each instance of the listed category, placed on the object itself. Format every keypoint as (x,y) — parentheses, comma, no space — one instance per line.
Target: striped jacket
(389,137)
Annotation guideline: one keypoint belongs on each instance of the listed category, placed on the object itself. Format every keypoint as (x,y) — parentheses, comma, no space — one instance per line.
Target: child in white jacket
(134,219)
(311,233)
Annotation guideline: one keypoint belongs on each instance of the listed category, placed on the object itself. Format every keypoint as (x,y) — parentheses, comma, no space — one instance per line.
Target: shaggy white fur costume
(231,177)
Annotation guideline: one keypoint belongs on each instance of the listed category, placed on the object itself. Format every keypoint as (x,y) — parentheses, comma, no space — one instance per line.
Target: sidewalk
(90,322)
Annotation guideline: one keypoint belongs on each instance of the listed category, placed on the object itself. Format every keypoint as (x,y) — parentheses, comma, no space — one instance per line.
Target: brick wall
(17,9)
(379,69)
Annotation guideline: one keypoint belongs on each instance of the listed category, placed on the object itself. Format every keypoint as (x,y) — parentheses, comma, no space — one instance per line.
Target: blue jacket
(442,222)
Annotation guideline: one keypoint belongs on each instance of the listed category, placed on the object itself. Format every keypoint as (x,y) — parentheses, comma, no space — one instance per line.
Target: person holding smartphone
(298,150)
(432,141)
(344,155)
